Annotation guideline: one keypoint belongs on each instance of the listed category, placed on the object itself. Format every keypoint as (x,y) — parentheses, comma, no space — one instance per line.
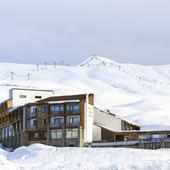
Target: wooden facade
(57,121)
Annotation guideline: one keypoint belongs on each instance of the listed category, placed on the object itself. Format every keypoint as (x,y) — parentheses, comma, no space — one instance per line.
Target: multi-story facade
(59,121)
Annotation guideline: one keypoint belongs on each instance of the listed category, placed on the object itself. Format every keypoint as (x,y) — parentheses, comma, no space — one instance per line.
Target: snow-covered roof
(63,101)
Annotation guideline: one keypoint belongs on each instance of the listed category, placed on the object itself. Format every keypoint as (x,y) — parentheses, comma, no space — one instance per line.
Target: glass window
(44,109)
(68,134)
(74,120)
(22,96)
(75,133)
(53,134)
(38,97)
(73,107)
(57,108)
(57,120)
(33,110)
(34,122)
(59,134)
(36,135)
(71,133)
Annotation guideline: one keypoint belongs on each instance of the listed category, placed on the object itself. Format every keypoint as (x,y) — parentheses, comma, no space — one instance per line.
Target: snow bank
(38,156)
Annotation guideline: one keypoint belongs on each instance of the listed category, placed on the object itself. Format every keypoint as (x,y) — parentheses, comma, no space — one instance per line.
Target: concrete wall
(88,121)
(17,96)
(97,133)
(105,120)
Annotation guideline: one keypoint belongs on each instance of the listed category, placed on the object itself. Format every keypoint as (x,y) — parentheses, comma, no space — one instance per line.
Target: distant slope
(134,92)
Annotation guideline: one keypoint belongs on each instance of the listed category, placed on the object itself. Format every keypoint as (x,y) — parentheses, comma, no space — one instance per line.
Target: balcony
(31,127)
(74,124)
(72,112)
(32,115)
(57,113)
(57,125)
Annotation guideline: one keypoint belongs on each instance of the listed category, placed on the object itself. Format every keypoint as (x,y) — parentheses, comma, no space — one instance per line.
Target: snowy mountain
(137,93)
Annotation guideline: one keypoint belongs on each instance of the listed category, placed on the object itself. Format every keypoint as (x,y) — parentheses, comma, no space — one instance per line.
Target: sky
(127,31)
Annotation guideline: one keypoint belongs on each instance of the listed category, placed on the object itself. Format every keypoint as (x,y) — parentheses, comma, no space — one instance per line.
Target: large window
(33,110)
(73,120)
(36,135)
(44,109)
(73,107)
(57,108)
(57,120)
(22,96)
(57,134)
(71,133)
(33,122)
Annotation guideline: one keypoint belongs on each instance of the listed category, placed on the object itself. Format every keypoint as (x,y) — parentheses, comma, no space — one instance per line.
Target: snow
(38,156)
(63,101)
(140,94)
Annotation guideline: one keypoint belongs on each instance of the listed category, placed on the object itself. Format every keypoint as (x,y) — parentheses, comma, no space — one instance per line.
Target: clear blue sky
(133,31)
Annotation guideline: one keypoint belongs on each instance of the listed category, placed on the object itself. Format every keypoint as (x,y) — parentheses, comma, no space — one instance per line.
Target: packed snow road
(38,156)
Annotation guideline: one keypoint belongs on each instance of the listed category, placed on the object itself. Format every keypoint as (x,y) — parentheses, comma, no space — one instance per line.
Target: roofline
(32,89)
(5,101)
(63,96)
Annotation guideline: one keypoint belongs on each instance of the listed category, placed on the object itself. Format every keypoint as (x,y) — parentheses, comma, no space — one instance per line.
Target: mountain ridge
(137,93)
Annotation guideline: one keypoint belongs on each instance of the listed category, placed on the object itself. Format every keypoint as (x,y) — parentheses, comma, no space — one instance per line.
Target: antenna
(62,61)
(55,64)
(28,76)
(12,75)
(45,65)
(37,67)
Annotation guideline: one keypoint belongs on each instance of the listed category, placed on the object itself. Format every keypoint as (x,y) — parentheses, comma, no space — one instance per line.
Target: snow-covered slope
(41,157)
(133,92)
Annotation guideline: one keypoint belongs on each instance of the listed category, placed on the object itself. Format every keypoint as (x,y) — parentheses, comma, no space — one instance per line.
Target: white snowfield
(140,94)
(42,157)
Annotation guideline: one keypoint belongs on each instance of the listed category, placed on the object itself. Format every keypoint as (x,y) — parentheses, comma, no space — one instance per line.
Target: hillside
(137,93)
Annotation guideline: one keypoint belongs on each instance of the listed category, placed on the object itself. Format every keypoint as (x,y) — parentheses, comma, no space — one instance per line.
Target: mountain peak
(97,61)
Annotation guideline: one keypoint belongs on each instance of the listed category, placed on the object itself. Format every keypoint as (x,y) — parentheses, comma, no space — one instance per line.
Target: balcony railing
(30,115)
(72,124)
(57,125)
(32,126)
(65,124)
(65,112)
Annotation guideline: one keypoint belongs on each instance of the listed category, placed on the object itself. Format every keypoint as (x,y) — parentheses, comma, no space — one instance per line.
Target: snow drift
(38,156)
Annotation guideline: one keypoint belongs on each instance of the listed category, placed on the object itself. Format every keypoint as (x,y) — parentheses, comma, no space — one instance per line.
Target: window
(45,121)
(36,135)
(75,133)
(38,97)
(74,120)
(53,134)
(73,107)
(57,134)
(57,121)
(57,108)
(44,109)
(33,110)
(22,96)
(68,134)
(33,122)
(71,133)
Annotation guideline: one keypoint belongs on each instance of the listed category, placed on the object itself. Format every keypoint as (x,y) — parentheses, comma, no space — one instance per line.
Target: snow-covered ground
(42,157)
(137,93)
